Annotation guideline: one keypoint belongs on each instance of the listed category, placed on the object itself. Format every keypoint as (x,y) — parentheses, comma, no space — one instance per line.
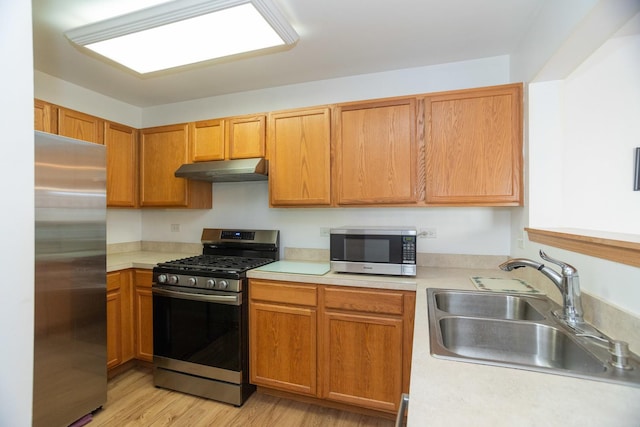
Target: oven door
(200,332)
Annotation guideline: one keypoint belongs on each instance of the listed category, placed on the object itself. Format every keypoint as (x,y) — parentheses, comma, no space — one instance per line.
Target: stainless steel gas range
(200,315)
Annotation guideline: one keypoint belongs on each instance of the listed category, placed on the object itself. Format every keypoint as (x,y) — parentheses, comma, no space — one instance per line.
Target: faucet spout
(567,281)
(550,273)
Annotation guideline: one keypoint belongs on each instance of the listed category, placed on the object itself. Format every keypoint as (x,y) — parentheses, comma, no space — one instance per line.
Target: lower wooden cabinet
(129,317)
(282,336)
(359,329)
(120,345)
(346,345)
(143,312)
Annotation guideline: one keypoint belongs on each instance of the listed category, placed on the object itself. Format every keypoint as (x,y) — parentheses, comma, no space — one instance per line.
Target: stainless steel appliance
(70,358)
(373,250)
(200,315)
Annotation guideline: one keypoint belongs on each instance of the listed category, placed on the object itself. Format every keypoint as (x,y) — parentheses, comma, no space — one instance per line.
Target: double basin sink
(518,331)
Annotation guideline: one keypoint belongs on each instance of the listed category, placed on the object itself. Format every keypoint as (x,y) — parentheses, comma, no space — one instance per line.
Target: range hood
(254,169)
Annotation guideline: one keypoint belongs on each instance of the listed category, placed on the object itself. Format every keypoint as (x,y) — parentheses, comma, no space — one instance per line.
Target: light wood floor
(132,400)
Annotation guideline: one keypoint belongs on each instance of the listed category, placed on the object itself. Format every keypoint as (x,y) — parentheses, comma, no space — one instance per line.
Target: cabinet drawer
(297,294)
(368,301)
(113,281)
(143,278)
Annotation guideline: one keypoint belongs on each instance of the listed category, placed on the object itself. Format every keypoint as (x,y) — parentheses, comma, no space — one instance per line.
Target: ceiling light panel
(185,32)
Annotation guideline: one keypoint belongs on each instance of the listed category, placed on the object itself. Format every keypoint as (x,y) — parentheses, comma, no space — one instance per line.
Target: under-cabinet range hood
(254,169)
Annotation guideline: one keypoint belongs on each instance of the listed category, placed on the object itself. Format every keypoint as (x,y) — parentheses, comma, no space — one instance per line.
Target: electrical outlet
(521,240)
(175,228)
(428,233)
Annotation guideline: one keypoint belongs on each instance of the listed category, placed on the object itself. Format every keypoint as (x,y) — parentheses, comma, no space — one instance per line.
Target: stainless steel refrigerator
(70,366)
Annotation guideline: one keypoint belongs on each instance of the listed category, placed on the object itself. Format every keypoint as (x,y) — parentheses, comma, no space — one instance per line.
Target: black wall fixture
(636,178)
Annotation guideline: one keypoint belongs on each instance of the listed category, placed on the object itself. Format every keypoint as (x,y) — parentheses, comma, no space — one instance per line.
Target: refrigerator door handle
(404,404)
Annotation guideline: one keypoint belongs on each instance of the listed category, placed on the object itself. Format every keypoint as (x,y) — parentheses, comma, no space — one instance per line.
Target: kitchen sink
(496,306)
(526,344)
(518,331)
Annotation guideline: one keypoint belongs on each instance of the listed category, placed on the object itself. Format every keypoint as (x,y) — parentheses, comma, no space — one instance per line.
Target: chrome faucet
(567,281)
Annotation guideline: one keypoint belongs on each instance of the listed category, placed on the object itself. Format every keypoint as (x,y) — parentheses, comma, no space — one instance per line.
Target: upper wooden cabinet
(45,117)
(75,124)
(208,140)
(246,138)
(375,152)
(239,137)
(299,145)
(163,150)
(122,165)
(474,147)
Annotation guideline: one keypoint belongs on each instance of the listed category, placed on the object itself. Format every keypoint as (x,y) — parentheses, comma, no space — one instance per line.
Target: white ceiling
(337,38)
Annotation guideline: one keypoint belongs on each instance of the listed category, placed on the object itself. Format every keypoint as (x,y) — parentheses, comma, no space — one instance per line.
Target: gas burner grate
(212,263)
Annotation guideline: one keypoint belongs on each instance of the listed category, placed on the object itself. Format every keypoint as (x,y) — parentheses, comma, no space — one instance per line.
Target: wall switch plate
(175,228)
(428,233)
(324,231)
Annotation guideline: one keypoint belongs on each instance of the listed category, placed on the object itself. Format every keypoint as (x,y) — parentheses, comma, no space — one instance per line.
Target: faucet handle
(566,268)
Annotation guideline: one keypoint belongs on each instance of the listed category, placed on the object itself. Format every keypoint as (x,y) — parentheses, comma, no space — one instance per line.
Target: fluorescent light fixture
(184,32)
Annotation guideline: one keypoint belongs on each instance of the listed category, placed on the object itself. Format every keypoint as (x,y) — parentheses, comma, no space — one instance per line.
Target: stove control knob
(223,284)
(173,280)
(162,278)
(211,284)
(192,281)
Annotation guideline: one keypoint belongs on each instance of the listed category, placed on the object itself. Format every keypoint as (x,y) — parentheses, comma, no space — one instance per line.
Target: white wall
(582,132)
(17,226)
(602,130)
(456,75)
(460,230)
(60,92)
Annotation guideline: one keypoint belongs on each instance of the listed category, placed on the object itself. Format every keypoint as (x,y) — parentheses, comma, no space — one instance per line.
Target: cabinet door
(75,124)
(162,151)
(45,117)
(376,152)
(282,335)
(299,157)
(208,140)
(362,360)
(474,147)
(283,347)
(114,328)
(143,308)
(122,165)
(246,138)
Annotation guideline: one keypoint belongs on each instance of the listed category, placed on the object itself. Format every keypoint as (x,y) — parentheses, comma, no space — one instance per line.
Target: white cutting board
(297,267)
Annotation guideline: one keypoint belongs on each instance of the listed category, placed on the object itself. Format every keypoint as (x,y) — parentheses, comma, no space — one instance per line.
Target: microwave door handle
(223,299)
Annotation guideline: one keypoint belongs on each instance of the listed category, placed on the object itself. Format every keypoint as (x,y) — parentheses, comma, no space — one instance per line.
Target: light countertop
(141,259)
(445,392)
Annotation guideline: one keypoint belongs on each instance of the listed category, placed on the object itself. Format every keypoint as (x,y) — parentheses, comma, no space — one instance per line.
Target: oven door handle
(222,299)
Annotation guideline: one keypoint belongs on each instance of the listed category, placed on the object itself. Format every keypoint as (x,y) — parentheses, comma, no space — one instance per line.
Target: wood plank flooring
(132,400)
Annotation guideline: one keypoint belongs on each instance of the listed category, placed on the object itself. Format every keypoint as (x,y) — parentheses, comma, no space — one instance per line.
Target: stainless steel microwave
(373,250)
